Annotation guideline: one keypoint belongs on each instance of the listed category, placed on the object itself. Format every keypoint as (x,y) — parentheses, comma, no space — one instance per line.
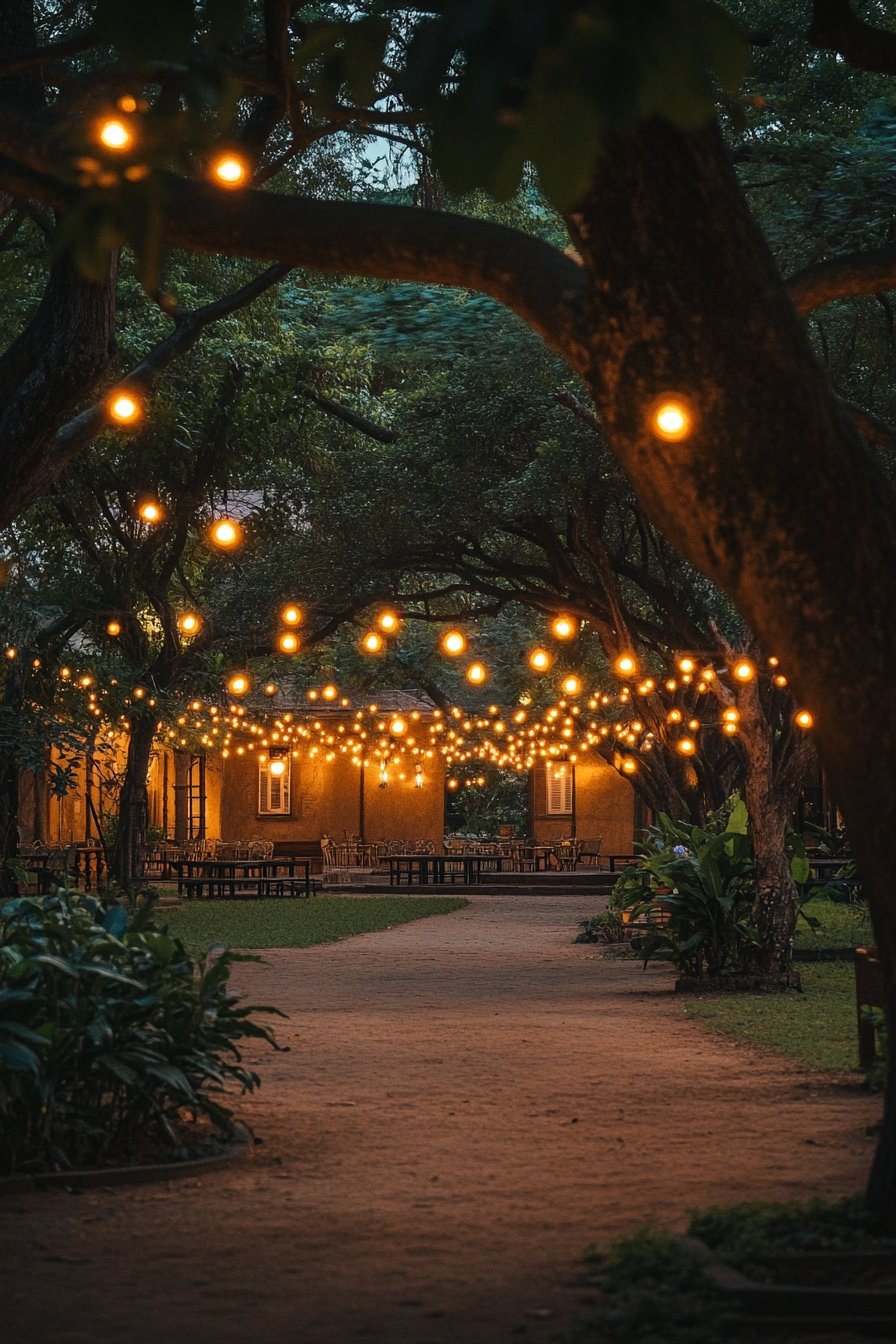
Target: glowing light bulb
(686,664)
(730,715)
(329,692)
(744,670)
(779,680)
(388,621)
(125,408)
(674,716)
(571,686)
(686,745)
(188,623)
(226,533)
(671,418)
(540,660)
(150,511)
(291,614)
(625,665)
(271,688)
(238,684)
(398,726)
(476,674)
(288,642)
(629,765)
(114,134)
(113,628)
(453,643)
(277,766)
(564,627)
(229,170)
(804,719)
(372,642)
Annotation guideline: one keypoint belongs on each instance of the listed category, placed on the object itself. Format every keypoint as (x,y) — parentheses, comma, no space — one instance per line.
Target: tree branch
(835,27)
(845,277)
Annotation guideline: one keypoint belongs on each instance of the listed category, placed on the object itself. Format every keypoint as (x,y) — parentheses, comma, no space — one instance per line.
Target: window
(273,789)
(558,789)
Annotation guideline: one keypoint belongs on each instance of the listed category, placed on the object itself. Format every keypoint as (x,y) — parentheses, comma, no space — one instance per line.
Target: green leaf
(799,869)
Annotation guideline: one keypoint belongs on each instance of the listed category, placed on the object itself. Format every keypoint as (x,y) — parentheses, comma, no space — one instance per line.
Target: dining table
(243,878)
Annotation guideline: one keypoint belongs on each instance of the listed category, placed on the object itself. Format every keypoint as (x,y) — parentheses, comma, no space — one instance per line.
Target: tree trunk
(770,494)
(124,861)
(13,700)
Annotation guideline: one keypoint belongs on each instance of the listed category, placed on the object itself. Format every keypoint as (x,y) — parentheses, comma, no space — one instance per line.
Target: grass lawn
(296,923)
(818,1027)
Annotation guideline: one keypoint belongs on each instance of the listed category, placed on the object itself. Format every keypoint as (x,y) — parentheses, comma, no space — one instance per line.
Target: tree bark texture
(771,495)
(124,860)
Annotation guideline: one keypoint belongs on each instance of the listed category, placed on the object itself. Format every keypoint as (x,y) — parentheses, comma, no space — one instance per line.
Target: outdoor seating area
(76,864)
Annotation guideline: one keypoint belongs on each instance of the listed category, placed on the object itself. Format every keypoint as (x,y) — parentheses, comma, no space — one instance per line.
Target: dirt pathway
(469,1100)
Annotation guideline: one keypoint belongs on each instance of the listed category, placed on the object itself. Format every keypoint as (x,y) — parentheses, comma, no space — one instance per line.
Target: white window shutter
(559,789)
(273,790)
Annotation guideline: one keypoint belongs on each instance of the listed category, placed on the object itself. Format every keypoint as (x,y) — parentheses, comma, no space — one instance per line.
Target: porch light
(476,674)
(225,533)
(124,408)
(453,643)
(372,642)
(229,170)
(540,660)
(563,627)
(671,417)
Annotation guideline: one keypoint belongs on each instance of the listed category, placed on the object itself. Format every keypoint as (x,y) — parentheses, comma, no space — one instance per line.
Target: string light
(744,670)
(389,621)
(150,511)
(563,627)
(226,533)
(372,642)
(453,643)
(125,408)
(189,623)
(291,614)
(113,628)
(626,665)
(686,745)
(113,134)
(239,684)
(671,418)
(571,686)
(803,718)
(229,170)
(288,642)
(540,660)
(476,674)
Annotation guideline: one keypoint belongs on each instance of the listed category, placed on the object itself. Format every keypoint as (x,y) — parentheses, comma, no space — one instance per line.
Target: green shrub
(110,1036)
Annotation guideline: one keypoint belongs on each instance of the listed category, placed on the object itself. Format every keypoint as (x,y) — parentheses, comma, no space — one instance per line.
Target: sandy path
(469,1100)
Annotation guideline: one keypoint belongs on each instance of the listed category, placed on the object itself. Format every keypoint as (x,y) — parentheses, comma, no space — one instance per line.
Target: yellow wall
(325,800)
(605,807)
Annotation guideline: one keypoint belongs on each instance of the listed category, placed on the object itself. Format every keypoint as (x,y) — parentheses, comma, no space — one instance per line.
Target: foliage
(698,886)
(110,1036)
(655,1293)
(326,919)
(479,810)
(750,1236)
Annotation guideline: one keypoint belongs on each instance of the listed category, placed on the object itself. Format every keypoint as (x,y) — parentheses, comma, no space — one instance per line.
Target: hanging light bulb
(125,408)
(113,628)
(229,169)
(453,643)
(239,684)
(329,692)
(671,417)
(291,614)
(743,670)
(571,686)
(540,660)
(188,623)
(225,533)
(389,621)
(372,642)
(686,745)
(626,665)
(288,642)
(398,727)
(150,511)
(563,627)
(476,674)
(114,134)
(803,719)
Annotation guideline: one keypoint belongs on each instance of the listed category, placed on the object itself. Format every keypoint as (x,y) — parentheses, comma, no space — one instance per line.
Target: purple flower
(680,851)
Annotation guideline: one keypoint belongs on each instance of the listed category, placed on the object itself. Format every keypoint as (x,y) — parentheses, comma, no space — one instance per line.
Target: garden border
(85,1178)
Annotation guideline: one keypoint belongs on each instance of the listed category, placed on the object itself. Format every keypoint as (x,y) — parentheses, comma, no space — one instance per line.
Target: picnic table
(238,878)
(424,869)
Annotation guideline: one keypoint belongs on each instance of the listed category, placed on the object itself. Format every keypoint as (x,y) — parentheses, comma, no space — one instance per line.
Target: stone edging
(239,1147)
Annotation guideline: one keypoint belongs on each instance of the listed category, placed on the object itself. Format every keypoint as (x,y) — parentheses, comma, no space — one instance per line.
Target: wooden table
(443,868)
(236,878)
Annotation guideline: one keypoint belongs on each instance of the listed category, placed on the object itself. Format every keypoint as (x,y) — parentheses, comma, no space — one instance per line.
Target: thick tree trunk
(124,860)
(770,494)
(13,699)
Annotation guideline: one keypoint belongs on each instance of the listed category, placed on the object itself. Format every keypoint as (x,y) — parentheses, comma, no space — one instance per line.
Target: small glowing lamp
(288,642)
(238,684)
(625,665)
(686,745)
(803,719)
(124,408)
(150,511)
(372,642)
(112,133)
(388,621)
(571,686)
(226,533)
(671,418)
(453,642)
(188,623)
(229,170)
(540,660)
(113,628)
(744,670)
(476,674)
(564,627)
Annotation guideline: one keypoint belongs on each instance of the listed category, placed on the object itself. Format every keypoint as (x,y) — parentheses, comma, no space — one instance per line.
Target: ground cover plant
(261,924)
(113,1039)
